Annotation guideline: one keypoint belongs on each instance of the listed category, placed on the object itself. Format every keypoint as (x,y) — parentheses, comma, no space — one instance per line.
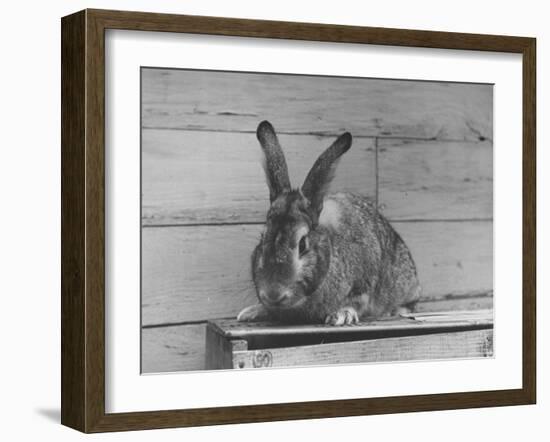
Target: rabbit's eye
(303,245)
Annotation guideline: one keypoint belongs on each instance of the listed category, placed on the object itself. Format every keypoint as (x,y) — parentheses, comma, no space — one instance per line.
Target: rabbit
(322,258)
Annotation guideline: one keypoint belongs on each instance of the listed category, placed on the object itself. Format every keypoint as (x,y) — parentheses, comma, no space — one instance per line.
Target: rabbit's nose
(275,297)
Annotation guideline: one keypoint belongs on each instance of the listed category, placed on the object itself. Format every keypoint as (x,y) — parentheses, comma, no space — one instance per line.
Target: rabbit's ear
(318,180)
(276,171)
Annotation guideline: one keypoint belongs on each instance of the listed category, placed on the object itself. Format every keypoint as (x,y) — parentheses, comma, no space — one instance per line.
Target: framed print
(272,220)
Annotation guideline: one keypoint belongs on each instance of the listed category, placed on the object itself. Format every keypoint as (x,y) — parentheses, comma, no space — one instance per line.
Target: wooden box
(442,335)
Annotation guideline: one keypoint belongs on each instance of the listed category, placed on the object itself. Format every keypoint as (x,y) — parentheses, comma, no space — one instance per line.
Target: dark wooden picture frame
(83,220)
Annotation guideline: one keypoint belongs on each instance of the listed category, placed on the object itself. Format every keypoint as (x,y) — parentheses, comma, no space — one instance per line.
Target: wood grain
(237,102)
(182,347)
(73,220)
(412,323)
(212,177)
(166,349)
(451,257)
(198,177)
(529,196)
(433,180)
(463,344)
(198,273)
(470,301)
(219,350)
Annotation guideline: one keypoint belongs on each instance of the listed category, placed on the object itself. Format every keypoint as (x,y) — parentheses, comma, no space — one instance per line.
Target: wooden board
(451,257)
(182,347)
(200,273)
(412,323)
(196,273)
(167,349)
(219,350)
(236,102)
(432,180)
(464,344)
(196,177)
(466,301)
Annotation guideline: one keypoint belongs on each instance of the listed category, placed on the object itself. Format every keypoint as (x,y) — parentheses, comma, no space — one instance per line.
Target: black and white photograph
(305,220)
(244,221)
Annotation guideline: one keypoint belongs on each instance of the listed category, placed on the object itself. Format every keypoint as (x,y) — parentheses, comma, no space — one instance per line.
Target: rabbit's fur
(325,259)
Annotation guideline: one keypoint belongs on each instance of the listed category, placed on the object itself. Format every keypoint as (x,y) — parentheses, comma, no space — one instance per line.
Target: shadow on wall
(51,414)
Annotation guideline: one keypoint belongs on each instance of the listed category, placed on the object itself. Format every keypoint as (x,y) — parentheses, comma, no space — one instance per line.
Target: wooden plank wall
(423,150)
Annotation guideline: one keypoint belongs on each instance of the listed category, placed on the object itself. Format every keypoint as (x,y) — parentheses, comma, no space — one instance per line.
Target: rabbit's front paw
(252,313)
(344,316)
